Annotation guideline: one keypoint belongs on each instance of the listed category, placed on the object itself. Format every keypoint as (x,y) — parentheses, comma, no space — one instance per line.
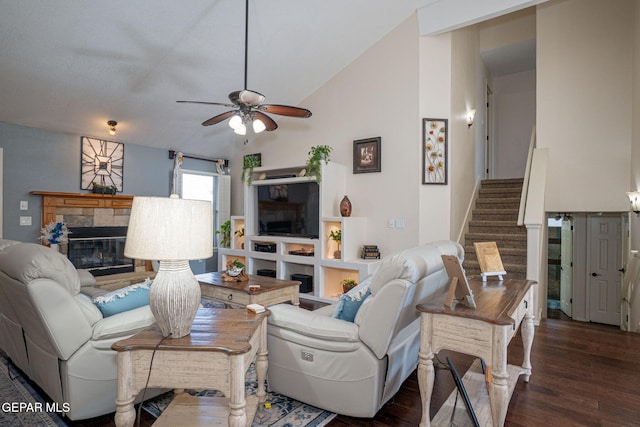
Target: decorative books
(370,252)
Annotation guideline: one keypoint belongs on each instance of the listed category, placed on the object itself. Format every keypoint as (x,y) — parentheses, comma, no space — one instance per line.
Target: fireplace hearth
(99,250)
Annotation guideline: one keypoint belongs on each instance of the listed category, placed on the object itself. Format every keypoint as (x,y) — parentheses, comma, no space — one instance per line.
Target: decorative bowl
(234,271)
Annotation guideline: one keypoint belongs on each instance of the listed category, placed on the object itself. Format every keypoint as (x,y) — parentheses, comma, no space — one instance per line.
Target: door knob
(595,275)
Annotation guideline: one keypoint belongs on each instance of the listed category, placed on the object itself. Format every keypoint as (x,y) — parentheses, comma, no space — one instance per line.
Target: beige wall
(376,95)
(467,88)
(584,77)
(514,103)
(508,29)
(634,222)
(435,103)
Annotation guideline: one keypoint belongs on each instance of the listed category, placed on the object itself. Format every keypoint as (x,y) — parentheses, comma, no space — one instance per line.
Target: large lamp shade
(172,231)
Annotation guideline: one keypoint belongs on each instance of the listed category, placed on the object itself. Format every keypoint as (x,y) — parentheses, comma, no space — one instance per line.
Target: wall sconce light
(112,127)
(634,199)
(471,115)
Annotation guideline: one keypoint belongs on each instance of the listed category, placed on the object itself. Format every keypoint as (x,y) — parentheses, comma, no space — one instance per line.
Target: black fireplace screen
(99,250)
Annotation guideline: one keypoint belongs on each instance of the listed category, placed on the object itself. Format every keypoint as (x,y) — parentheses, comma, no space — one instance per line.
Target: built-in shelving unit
(296,255)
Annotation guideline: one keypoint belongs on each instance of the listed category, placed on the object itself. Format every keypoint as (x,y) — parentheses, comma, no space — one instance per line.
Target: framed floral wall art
(434,151)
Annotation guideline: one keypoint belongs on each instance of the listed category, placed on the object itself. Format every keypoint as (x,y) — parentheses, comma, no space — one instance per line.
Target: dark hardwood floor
(584,374)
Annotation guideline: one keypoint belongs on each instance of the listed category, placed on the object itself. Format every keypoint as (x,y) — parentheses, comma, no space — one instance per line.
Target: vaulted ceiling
(71,65)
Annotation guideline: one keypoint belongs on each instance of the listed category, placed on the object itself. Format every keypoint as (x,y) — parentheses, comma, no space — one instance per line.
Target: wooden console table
(484,332)
(216,355)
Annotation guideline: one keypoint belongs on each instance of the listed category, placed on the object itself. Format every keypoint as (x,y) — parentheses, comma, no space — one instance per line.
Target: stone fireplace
(98,228)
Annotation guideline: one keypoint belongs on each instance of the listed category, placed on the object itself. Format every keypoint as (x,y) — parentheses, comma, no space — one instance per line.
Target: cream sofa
(353,368)
(55,334)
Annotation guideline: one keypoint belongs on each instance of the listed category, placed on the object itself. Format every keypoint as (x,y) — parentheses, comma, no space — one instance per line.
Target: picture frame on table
(435,151)
(367,155)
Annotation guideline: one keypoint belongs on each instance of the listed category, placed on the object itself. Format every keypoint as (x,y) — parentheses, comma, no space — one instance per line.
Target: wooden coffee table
(215,355)
(237,294)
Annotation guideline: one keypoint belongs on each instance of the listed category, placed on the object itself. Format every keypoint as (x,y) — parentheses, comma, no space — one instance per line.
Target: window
(209,186)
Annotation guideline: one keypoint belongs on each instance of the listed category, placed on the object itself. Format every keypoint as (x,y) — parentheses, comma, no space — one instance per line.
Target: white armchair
(353,368)
(56,335)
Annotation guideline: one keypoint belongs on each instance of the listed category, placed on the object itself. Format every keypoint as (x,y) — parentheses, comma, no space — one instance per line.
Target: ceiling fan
(248,107)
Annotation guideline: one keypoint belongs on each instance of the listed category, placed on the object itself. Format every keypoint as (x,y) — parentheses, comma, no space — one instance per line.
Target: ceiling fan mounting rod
(246,41)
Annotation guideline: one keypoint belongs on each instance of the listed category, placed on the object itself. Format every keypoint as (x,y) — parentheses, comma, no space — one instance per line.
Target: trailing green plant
(317,155)
(250,161)
(225,234)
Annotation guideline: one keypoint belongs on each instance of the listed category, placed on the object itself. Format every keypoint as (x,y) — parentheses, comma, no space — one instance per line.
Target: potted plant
(336,235)
(240,233)
(234,267)
(317,155)
(348,284)
(225,234)
(250,161)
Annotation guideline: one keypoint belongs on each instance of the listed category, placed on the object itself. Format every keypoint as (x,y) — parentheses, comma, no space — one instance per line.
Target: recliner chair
(56,335)
(353,368)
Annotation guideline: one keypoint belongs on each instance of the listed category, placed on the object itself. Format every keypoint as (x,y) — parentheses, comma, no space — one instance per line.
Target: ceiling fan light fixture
(112,127)
(241,130)
(258,126)
(235,122)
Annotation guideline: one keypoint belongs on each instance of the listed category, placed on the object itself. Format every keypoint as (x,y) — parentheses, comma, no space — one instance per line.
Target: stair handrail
(527,176)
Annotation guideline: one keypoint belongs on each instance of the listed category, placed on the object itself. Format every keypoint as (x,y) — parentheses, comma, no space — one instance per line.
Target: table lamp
(173,231)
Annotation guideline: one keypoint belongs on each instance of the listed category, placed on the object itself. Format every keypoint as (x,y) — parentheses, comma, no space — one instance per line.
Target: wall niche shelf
(296,255)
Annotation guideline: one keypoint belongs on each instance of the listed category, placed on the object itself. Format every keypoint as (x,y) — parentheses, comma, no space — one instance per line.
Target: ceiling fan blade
(286,110)
(269,123)
(246,97)
(219,118)
(207,103)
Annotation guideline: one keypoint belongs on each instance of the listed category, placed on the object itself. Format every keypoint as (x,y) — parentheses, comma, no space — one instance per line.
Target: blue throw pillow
(124,299)
(349,303)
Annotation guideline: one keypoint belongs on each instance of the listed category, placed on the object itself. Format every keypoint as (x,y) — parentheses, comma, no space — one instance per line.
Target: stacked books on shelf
(370,252)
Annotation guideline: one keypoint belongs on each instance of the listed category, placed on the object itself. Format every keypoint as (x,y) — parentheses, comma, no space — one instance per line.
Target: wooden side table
(237,294)
(484,332)
(216,355)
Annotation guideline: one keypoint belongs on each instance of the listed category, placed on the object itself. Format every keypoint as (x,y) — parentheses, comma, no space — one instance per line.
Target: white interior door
(566,267)
(605,260)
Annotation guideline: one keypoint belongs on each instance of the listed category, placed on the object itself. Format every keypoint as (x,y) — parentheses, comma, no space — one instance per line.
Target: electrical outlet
(25,220)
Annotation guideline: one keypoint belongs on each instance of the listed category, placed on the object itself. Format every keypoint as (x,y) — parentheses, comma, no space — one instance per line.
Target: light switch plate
(24,205)
(25,220)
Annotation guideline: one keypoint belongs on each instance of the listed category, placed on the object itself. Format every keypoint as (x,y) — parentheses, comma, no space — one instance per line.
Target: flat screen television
(289,209)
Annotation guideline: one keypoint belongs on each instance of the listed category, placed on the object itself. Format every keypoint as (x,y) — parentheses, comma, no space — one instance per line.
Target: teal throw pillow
(124,299)
(349,303)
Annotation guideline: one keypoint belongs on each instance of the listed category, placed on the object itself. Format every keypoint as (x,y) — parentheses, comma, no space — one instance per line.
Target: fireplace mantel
(51,201)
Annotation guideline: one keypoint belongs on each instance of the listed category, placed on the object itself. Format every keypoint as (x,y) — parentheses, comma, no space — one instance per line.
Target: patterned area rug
(283,411)
(21,405)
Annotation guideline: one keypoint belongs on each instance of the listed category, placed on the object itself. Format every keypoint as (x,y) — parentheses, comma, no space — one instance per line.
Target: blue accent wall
(42,160)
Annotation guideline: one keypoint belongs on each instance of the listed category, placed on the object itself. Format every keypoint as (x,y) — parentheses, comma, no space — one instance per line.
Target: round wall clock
(101,164)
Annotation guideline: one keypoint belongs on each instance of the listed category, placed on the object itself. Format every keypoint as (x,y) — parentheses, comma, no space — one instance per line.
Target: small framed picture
(366,155)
